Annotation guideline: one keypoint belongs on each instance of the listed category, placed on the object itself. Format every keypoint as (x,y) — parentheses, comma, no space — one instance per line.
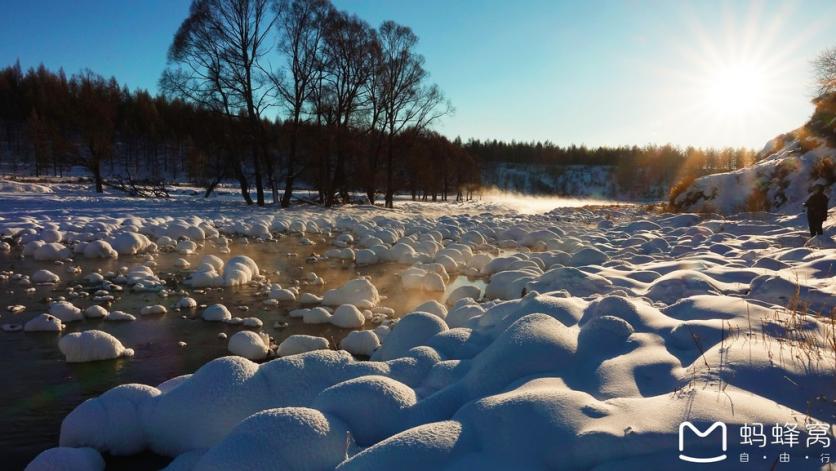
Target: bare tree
(216,55)
(825,70)
(301,24)
(346,66)
(374,94)
(407,101)
(96,109)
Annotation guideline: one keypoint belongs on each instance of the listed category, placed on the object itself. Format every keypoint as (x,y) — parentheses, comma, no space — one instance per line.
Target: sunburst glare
(728,83)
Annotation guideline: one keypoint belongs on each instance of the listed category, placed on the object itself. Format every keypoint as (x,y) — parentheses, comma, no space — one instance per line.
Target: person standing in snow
(816,206)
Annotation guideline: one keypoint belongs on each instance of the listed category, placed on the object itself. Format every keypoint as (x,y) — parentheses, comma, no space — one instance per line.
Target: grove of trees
(263,92)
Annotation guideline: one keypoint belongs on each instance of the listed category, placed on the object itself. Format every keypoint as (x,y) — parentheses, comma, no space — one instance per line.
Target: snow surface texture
(598,333)
(782,181)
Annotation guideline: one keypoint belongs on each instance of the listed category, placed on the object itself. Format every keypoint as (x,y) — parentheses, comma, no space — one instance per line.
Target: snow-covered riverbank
(596,332)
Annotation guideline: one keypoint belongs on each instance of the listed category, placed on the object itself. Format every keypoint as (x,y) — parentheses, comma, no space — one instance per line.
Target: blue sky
(707,73)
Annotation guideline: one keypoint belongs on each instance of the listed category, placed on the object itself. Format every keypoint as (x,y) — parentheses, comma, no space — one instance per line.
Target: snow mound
(348,316)
(65,311)
(360,342)
(295,438)
(153,310)
(411,331)
(44,323)
(95,312)
(45,276)
(50,251)
(130,243)
(216,313)
(109,422)
(186,303)
(360,292)
(373,407)
(120,316)
(296,344)
(99,249)
(92,345)
(249,345)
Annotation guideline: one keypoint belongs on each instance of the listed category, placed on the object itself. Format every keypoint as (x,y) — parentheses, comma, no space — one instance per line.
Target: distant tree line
(266,93)
(639,172)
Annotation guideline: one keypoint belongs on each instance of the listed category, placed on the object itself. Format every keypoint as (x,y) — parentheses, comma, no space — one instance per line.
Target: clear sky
(705,73)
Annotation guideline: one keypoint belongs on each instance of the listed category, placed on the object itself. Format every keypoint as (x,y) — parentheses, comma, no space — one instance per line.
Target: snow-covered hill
(780,181)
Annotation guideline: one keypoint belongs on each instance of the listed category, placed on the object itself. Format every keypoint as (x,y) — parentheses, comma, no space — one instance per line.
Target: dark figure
(816,210)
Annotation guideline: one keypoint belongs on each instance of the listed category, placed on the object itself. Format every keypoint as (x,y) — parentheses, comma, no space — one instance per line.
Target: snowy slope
(780,182)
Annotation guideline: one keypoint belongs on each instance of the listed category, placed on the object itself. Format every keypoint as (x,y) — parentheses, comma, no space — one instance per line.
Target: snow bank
(8,186)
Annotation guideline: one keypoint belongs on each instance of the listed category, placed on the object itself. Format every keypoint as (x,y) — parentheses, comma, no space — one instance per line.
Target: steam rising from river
(531,204)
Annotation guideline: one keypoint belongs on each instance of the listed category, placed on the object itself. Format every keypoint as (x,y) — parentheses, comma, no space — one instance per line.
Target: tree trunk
(291,167)
(259,183)
(97,175)
(390,189)
(245,186)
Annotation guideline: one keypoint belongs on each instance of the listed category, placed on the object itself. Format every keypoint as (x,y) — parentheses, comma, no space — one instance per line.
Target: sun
(736,90)
(731,76)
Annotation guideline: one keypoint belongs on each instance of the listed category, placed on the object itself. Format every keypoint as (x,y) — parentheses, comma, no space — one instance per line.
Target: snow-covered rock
(153,310)
(216,313)
(95,312)
(65,311)
(120,316)
(99,249)
(296,344)
(45,276)
(360,342)
(44,323)
(348,316)
(186,303)
(360,292)
(248,344)
(92,345)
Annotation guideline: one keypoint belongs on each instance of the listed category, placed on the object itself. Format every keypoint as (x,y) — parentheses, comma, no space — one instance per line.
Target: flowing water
(41,388)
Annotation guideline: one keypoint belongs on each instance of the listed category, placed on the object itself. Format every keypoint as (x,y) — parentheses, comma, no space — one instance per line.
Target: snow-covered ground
(592,335)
